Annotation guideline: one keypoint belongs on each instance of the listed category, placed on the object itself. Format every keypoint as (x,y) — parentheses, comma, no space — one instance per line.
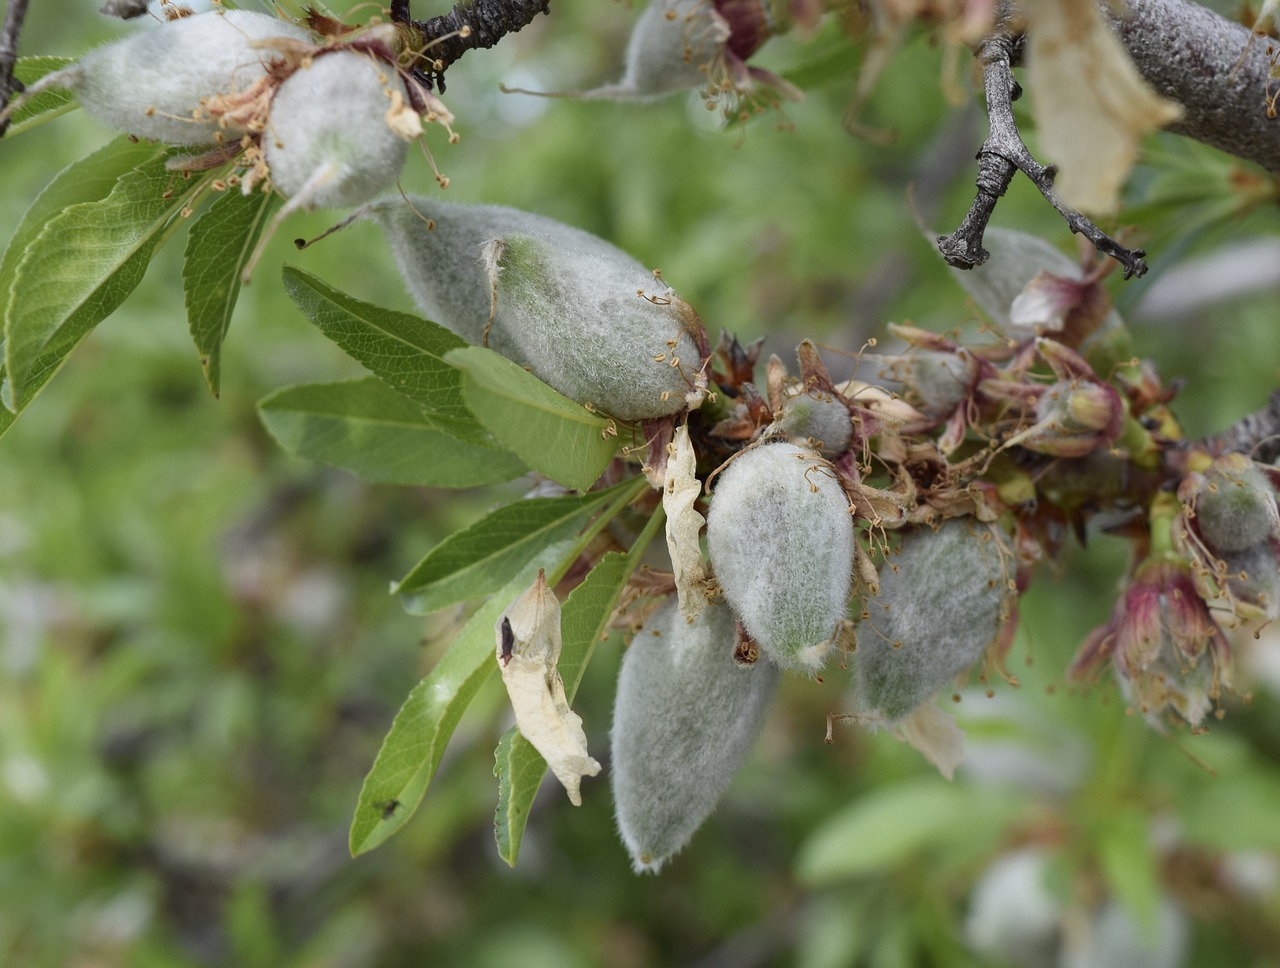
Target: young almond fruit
(580,314)
(684,721)
(157,83)
(329,141)
(781,541)
(942,600)
(1234,504)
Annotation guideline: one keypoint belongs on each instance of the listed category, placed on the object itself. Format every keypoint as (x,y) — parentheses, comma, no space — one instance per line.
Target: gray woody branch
(1187,53)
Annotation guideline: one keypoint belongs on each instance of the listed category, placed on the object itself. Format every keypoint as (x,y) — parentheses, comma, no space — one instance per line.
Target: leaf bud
(942,600)
(781,541)
(580,314)
(685,719)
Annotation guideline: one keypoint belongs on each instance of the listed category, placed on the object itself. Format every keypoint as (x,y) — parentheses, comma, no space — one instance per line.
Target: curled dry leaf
(1091,106)
(528,647)
(680,490)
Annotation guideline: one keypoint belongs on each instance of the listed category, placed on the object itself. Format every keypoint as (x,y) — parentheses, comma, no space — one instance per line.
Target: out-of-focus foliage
(199,656)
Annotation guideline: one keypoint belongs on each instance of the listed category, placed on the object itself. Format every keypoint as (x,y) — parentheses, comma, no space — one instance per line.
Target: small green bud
(582,315)
(329,142)
(942,600)
(684,721)
(157,83)
(781,541)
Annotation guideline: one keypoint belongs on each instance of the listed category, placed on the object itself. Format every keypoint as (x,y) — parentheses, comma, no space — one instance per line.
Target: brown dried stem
(488,21)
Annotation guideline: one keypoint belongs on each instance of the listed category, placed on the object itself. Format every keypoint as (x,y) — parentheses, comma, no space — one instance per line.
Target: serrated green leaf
(412,750)
(45,105)
(583,618)
(365,427)
(892,824)
(549,432)
(218,246)
(480,559)
(404,351)
(82,264)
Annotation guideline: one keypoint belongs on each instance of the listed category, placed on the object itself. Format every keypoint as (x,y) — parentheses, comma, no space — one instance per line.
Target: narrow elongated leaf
(405,351)
(219,244)
(83,263)
(886,827)
(412,750)
(482,558)
(365,427)
(549,432)
(47,104)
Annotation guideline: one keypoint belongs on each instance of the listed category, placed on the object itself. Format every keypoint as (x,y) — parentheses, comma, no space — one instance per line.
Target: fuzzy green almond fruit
(818,419)
(685,719)
(942,601)
(329,141)
(781,541)
(1235,504)
(580,314)
(157,84)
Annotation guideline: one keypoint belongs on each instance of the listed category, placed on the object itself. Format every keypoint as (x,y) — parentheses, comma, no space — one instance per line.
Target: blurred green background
(199,657)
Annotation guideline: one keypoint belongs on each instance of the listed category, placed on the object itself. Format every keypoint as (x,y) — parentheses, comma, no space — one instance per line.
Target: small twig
(1003,154)
(15,15)
(1256,434)
(489,21)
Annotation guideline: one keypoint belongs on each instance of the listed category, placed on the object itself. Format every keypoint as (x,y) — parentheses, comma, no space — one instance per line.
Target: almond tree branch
(1194,56)
(1256,434)
(15,15)
(488,21)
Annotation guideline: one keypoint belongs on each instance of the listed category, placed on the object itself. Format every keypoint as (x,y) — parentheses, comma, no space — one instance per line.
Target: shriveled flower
(1166,647)
(1076,415)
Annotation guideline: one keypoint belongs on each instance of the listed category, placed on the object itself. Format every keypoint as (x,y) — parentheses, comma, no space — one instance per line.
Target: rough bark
(1190,55)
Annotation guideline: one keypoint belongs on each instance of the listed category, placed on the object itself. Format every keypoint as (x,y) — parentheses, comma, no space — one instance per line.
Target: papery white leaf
(680,490)
(528,650)
(936,736)
(1091,106)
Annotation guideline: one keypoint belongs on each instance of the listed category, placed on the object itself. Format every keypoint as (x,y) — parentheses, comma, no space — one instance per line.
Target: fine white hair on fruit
(781,540)
(156,83)
(328,143)
(940,605)
(685,719)
(579,313)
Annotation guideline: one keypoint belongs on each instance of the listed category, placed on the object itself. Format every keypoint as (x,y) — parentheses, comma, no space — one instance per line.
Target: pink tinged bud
(1168,650)
(582,315)
(1233,503)
(685,719)
(157,83)
(1074,419)
(942,601)
(1042,307)
(781,542)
